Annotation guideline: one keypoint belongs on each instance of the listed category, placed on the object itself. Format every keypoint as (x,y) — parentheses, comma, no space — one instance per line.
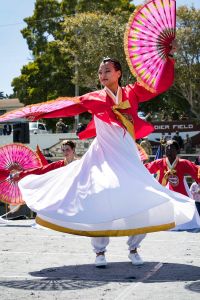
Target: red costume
(99,103)
(174,177)
(4,174)
(95,102)
(43,169)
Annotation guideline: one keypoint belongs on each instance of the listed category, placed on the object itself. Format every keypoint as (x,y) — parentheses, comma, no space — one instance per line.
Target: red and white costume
(108,192)
(172,176)
(100,103)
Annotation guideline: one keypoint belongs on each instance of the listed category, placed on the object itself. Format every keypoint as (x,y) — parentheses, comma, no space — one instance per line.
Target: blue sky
(14,52)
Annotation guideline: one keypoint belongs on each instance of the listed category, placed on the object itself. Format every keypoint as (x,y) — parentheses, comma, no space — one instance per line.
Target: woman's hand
(173,46)
(15,175)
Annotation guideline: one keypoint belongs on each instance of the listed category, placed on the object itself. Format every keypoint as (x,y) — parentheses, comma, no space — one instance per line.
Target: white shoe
(100,261)
(135,259)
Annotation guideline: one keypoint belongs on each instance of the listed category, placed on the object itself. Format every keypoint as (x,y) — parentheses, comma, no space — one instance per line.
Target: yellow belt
(128,124)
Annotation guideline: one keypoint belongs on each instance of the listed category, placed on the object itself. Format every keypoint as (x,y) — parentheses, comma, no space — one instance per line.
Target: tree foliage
(51,71)
(113,7)
(43,25)
(88,38)
(45,78)
(188,57)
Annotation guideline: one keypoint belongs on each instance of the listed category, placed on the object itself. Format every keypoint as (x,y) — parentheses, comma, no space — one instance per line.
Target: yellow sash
(169,171)
(129,125)
(165,178)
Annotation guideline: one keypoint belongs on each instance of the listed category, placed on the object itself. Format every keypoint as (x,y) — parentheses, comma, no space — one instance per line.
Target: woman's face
(68,152)
(108,76)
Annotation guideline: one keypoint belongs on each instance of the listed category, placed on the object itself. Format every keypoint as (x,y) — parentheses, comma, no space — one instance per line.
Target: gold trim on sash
(166,176)
(102,233)
(129,125)
(170,170)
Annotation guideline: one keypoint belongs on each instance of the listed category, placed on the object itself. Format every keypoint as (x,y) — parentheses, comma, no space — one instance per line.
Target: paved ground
(44,264)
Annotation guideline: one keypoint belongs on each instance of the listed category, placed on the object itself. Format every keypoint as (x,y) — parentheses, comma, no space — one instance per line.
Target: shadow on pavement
(87,276)
(194,287)
(16,226)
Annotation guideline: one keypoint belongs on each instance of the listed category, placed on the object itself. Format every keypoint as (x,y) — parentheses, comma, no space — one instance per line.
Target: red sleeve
(192,170)
(89,132)
(165,82)
(4,174)
(153,166)
(42,170)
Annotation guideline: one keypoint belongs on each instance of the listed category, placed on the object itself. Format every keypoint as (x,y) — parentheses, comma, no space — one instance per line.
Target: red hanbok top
(174,177)
(99,103)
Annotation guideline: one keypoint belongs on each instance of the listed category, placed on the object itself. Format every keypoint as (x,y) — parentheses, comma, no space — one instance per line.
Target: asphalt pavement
(38,263)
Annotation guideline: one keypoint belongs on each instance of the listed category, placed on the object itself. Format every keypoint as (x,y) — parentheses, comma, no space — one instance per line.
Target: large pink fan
(61,107)
(148,39)
(15,157)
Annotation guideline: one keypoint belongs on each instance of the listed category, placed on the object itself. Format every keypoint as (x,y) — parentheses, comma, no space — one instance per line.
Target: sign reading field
(173,126)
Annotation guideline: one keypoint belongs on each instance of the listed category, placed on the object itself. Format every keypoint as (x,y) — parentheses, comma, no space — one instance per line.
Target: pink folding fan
(148,39)
(13,158)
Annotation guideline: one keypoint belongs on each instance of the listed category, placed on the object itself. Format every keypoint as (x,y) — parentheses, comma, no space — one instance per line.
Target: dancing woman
(171,171)
(108,192)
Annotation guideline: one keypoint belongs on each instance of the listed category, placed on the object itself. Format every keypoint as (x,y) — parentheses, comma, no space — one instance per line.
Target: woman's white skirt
(108,192)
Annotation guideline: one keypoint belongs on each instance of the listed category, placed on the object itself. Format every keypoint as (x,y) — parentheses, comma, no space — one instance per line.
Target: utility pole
(76,76)
(76,89)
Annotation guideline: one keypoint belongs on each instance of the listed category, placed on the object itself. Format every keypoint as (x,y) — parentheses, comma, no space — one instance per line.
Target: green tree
(105,6)
(45,78)
(43,26)
(88,38)
(45,23)
(51,71)
(188,57)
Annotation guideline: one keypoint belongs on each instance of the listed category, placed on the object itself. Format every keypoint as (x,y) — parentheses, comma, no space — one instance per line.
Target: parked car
(37,127)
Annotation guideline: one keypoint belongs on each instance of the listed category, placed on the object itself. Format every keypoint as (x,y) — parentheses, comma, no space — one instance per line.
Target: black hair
(174,143)
(116,64)
(69,143)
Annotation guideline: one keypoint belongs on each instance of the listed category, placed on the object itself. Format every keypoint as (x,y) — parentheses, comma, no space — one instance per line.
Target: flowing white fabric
(107,189)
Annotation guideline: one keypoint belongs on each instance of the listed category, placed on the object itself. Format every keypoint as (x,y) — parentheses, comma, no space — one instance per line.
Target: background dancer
(171,171)
(68,149)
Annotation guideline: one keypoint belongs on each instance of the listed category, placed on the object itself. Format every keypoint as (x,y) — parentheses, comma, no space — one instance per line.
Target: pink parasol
(13,158)
(148,39)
